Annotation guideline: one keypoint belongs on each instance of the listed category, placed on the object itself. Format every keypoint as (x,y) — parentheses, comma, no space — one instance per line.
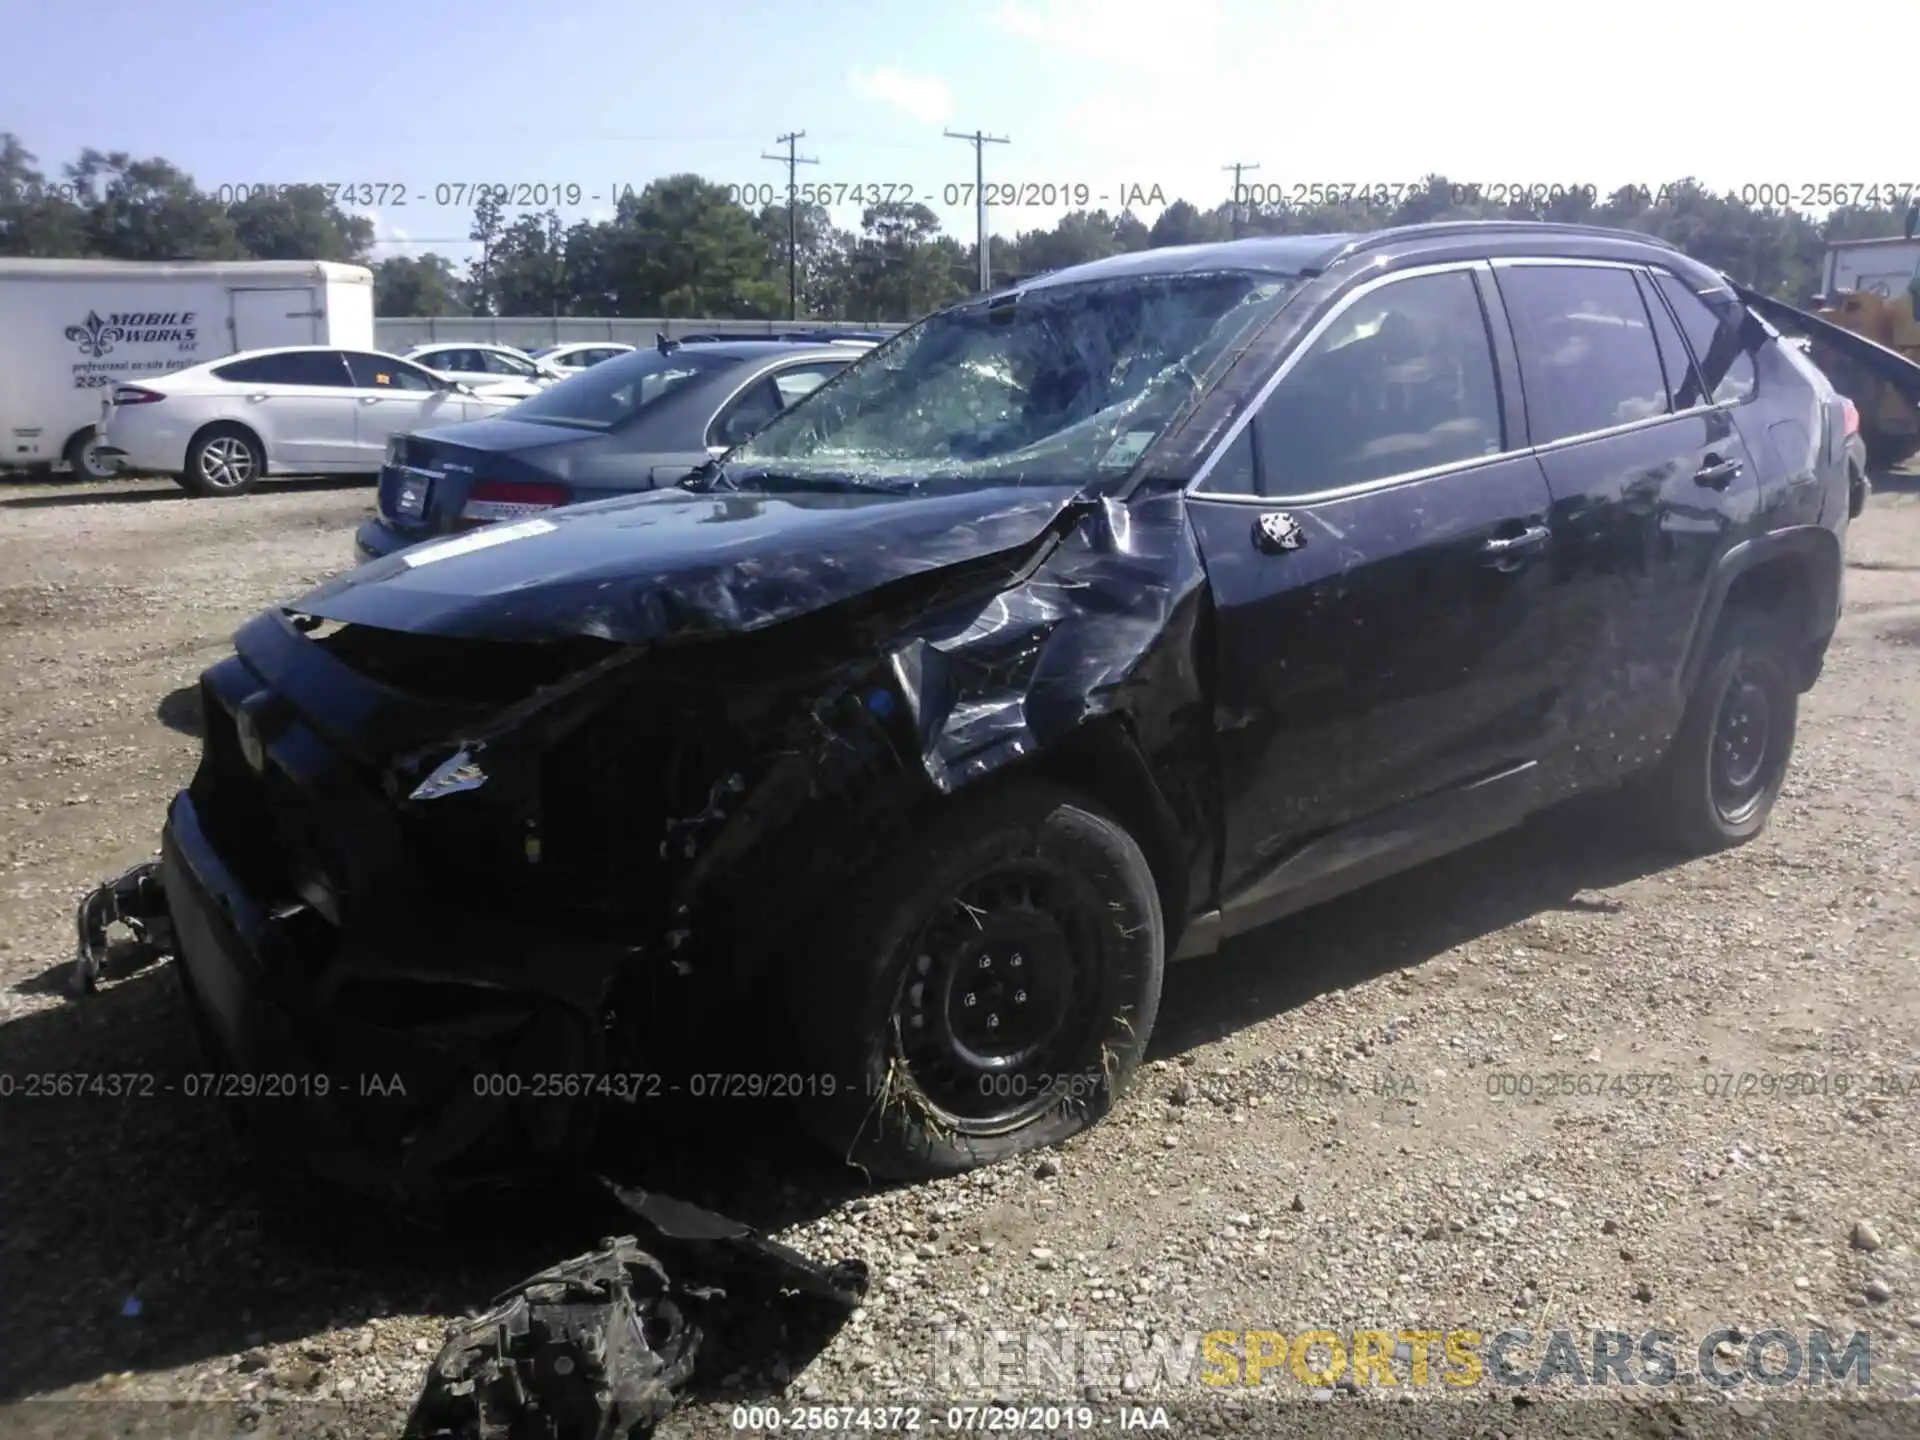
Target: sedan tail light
(135,395)
(1852,412)
(492,500)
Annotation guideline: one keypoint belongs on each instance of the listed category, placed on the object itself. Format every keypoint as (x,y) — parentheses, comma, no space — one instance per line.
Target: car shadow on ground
(180,711)
(149,1195)
(121,492)
(1548,864)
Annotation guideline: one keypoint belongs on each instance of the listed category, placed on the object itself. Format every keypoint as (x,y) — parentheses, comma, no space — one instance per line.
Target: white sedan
(578,355)
(298,410)
(495,368)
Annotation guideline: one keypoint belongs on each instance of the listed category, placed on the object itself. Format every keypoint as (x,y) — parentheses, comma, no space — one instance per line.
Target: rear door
(300,403)
(392,397)
(1720,337)
(1375,540)
(263,319)
(1650,480)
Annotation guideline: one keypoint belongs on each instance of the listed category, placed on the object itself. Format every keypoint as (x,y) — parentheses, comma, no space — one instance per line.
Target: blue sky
(1102,94)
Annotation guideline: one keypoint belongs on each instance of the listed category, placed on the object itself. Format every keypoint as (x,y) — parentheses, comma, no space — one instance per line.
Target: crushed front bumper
(488,1087)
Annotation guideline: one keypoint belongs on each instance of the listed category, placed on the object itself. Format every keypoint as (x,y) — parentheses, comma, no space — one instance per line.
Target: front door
(1374,540)
(392,397)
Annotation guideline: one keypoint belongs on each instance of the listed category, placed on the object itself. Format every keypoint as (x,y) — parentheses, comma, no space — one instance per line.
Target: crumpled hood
(668,562)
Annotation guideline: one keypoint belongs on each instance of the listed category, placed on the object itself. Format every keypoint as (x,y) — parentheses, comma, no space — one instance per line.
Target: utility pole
(980,141)
(792,160)
(1237,192)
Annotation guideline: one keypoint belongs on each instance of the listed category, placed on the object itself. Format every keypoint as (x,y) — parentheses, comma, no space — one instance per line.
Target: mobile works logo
(97,337)
(1058,1361)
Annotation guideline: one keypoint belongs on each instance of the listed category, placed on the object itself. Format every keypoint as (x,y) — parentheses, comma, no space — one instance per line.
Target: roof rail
(1438,229)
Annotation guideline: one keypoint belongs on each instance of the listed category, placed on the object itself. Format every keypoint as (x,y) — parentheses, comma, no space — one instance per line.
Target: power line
(1236,168)
(980,141)
(792,160)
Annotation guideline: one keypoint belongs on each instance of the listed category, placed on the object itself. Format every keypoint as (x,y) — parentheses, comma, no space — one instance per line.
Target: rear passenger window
(1588,360)
(1403,380)
(290,367)
(1724,363)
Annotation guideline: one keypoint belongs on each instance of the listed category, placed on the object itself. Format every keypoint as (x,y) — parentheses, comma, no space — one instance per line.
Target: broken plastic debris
(460,772)
(130,1308)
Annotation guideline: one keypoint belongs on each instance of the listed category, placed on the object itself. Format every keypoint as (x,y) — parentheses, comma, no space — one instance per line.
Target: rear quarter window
(1725,366)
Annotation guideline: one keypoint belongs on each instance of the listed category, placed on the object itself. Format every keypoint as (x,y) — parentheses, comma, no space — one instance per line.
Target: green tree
(37,217)
(150,210)
(819,248)
(485,232)
(529,269)
(416,285)
(1182,224)
(899,268)
(300,223)
(684,248)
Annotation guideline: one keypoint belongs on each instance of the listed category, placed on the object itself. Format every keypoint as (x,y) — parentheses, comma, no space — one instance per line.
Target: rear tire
(1719,779)
(223,460)
(83,459)
(991,992)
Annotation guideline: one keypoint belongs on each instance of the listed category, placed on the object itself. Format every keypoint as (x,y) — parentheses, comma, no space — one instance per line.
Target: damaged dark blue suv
(882,766)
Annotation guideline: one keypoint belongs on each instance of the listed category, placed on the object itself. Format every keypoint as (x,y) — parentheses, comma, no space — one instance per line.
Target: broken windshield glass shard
(460,772)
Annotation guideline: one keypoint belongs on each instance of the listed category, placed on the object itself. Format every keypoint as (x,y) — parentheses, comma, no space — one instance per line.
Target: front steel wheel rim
(226,462)
(991,1012)
(1742,746)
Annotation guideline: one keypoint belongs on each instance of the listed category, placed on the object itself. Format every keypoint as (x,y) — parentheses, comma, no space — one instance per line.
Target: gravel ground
(1318,1141)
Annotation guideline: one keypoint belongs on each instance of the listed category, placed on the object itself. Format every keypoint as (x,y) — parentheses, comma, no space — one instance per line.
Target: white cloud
(1143,35)
(926,98)
(389,239)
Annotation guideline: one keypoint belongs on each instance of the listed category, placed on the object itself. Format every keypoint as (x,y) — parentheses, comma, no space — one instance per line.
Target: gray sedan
(630,423)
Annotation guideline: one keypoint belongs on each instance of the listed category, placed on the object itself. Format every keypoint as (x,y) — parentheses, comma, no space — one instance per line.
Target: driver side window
(1403,380)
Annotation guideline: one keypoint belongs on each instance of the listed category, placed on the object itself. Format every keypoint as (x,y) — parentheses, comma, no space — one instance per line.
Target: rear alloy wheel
(1720,777)
(223,461)
(992,993)
(84,459)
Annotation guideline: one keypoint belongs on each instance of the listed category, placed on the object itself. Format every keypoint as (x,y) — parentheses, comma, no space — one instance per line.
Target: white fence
(397,333)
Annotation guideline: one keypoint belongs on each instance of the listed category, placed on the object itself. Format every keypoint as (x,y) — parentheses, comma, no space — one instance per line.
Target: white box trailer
(71,328)
(1883,267)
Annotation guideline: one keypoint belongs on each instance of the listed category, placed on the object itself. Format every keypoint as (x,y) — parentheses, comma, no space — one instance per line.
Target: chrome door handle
(1717,474)
(1506,552)
(371,399)
(255,399)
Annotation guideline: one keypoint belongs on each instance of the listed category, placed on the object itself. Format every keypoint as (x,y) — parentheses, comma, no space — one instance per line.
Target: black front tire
(1024,901)
(1719,779)
(223,460)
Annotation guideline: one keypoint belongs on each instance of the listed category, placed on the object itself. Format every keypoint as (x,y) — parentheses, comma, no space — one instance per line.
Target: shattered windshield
(1056,386)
